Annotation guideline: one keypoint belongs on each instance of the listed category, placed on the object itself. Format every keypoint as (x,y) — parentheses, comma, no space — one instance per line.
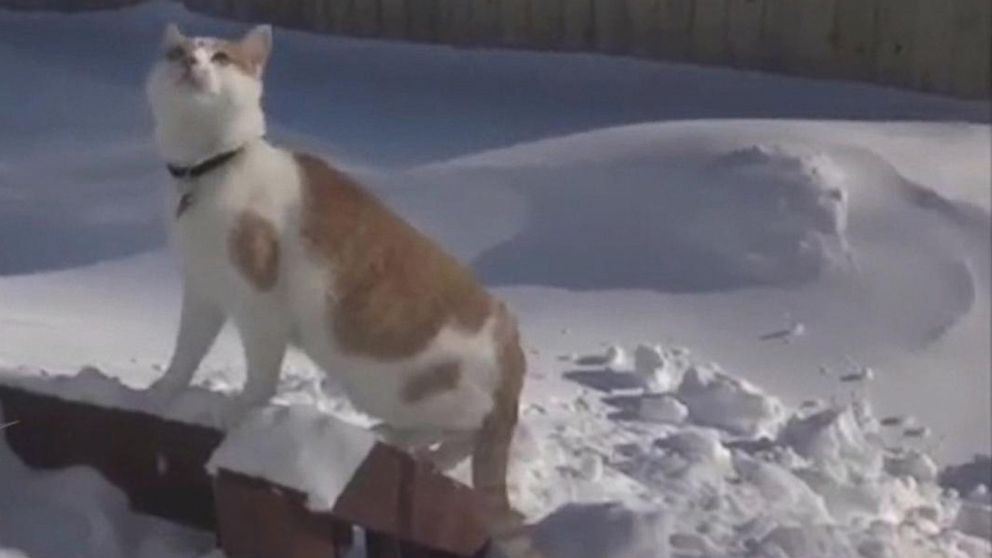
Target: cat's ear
(257,44)
(172,36)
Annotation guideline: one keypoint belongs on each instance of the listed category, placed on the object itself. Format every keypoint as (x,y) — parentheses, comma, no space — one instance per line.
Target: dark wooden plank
(258,520)
(157,463)
(393,494)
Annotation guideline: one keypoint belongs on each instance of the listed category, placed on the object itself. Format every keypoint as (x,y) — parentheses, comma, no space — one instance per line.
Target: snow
(74,512)
(823,242)
(663,408)
(715,399)
(293,447)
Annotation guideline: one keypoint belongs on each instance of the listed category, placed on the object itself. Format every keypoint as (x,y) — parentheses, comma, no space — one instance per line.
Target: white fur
(192,126)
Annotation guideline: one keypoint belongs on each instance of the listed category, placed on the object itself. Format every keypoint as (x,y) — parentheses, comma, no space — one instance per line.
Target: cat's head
(206,92)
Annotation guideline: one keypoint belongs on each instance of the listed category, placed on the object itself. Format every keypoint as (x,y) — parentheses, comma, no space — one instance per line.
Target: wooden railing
(403,508)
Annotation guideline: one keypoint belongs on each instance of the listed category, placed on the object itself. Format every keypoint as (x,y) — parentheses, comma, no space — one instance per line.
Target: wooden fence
(942,46)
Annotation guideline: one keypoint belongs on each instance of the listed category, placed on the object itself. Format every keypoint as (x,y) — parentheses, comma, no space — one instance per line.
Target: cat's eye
(221,57)
(175,54)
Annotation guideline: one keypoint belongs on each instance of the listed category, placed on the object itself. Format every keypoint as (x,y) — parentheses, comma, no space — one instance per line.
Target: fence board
(316,12)
(932,45)
(853,38)
(546,23)
(515,21)
(610,26)
(894,41)
(709,32)
(394,18)
(808,29)
(744,32)
(973,42)
(484,18)
(422,20)
(367,17)
(645,26)
(675,21)
(577,23)
(934,36)
(343,18)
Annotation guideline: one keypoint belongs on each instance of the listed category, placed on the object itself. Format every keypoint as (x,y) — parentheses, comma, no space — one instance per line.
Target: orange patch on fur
(434,381)
(242,57)
(254,250)
(394,289)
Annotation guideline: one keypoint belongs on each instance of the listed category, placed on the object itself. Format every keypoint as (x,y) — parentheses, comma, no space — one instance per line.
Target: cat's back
(398,317)
(393,287)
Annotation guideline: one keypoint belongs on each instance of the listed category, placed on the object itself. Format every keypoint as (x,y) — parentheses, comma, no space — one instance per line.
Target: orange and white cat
(296,253)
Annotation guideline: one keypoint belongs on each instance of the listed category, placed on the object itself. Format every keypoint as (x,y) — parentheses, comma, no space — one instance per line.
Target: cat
(297,253)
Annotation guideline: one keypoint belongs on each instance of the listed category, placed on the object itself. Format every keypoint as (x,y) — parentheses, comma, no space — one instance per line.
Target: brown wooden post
(257,520)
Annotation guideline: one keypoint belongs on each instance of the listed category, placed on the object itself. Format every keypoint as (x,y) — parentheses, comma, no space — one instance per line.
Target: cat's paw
(162,393)
(235,412)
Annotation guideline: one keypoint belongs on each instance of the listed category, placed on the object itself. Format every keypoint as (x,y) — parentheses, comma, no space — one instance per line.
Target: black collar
(202,168)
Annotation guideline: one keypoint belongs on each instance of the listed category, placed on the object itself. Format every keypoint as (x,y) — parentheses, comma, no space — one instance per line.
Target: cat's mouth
(192,80)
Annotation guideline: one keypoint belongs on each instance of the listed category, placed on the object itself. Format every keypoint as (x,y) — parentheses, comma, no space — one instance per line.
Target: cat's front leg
(265,339)
(199,324)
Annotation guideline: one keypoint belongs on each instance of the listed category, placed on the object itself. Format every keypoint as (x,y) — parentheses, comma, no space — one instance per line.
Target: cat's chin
(196,88)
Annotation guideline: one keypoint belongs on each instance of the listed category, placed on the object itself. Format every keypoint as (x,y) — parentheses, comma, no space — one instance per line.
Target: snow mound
(724,218)
(716,399)
(663,408)
(842,440)
(657,367)
(620,532)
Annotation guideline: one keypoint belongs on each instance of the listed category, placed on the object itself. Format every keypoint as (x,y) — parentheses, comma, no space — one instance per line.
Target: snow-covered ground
(828,244)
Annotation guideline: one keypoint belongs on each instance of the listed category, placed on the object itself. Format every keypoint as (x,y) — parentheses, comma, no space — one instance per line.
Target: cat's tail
(491,455)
